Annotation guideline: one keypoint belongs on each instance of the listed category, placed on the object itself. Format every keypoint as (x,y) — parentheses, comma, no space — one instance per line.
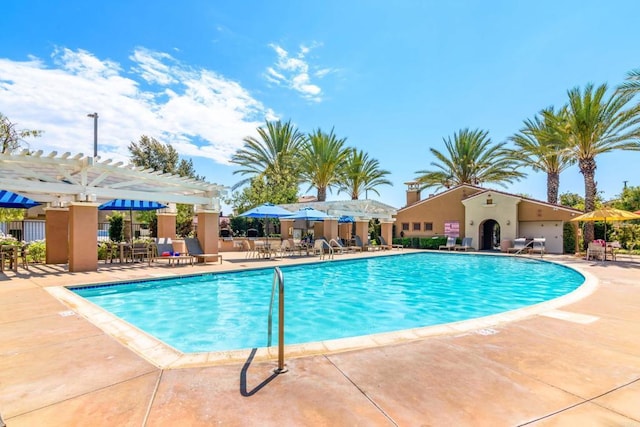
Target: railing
(279,279)
(27,230)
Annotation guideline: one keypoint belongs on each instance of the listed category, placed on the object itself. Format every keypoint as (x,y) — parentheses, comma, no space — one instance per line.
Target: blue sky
(394,78)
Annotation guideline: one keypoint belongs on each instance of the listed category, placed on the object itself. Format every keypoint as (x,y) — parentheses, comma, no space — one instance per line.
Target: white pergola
(72,187)
(57,180)
(364,209)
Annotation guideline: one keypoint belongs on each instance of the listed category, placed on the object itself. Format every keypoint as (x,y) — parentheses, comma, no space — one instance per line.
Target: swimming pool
(324,301)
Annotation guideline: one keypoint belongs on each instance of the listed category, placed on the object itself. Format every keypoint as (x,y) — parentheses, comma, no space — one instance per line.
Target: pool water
(329,300)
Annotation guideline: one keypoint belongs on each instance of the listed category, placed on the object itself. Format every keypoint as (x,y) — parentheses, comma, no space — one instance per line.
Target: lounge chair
(340,248)
(383,242)
(451,243)
(519,246)
(537,246)
(194,249)
(465,246)
(361,245)
(322,247)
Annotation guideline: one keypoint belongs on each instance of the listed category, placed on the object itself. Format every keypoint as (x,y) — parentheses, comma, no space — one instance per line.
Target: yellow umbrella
(607,214)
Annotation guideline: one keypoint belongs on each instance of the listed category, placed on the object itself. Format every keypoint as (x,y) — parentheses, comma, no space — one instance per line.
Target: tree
(322,160)
(11,137)
(471,158)
(629,199)
(361,174)
(274,154)
(632,85)
(540,145)
(263,189)
(150,153)
(597,124)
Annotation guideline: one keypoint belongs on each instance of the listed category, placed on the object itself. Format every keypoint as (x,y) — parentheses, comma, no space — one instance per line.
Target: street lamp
(95,133)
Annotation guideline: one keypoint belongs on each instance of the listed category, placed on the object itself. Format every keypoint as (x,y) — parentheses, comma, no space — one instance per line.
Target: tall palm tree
(598,124)
(274,154)
(632,85)
(471,158)
(540,146)
(322,159)
(360,173)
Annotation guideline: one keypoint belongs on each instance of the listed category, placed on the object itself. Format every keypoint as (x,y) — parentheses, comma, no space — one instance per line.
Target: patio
(578,365)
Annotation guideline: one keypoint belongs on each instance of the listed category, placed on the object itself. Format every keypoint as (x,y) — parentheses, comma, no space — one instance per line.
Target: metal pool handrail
(279,278)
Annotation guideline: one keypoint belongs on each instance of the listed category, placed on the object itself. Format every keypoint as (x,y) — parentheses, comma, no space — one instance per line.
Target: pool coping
(164,356)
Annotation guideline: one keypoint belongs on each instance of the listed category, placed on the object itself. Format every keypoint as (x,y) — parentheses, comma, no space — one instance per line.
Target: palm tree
(273,155)
(632,85)
(471,159)
(322,159)
(540,145)
(360,173)
(596,125)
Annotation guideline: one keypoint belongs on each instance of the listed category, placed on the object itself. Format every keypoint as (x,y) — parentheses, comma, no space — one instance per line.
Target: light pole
(95,133)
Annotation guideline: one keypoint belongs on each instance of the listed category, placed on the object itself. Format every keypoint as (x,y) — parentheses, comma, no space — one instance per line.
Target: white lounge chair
(519,246)
(537,246)
(465,246)
(451,243)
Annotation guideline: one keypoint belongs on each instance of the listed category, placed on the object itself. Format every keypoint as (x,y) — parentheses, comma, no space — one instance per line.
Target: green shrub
(569,238)
(116,227)
(37,251)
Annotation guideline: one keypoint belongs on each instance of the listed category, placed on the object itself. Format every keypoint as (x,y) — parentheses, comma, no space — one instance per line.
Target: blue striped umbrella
(13,200)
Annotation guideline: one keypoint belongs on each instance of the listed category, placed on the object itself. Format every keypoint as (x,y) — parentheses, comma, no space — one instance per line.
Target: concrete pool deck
(574,365)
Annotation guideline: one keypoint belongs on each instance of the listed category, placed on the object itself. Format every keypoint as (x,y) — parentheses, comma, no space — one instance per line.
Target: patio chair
(538,246)
(595,251)
(465,245)
(337,246)
(322,247)
(383,242)
(451,243)
(362,246)
(519,246)
(194,249)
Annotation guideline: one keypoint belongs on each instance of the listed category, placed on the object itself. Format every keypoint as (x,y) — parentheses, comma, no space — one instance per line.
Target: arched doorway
(489,235)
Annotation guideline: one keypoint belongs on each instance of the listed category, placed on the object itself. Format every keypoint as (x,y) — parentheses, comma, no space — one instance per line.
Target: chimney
(413,192)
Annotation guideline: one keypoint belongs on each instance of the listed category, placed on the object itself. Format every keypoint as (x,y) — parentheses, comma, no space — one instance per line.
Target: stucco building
(491,218)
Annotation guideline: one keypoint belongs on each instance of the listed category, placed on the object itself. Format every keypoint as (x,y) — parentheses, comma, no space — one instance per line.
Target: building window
(428,226)
(416,226)
(405,226)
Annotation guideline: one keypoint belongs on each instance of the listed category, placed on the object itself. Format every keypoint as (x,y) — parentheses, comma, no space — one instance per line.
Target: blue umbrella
(130,205)
(13,200)
(345,219)
(266,211)
(310,214)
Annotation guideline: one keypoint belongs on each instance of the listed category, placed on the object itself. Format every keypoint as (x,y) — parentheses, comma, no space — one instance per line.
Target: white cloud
(294,72)
(203,113)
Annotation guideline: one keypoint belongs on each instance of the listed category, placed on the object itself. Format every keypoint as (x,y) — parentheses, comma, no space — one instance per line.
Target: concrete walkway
(574,366)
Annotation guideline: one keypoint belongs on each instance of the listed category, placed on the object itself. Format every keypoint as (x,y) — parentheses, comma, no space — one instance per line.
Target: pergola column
(56,227)
(362,230)
(166,225)
(286,228)
(386,231)
(83,236)
(331,228)
(208,231)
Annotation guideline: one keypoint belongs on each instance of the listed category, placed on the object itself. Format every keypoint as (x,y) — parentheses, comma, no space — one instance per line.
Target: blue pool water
(227,311)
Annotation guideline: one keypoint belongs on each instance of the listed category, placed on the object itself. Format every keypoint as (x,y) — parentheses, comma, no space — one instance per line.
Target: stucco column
(285,225)
(331,228)
(56,227)
(386,231)
(344,231)
(166,225)
(362,230)
(83,236)
(208,231)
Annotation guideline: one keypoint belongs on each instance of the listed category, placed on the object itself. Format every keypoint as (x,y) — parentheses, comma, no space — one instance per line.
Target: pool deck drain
(62,370)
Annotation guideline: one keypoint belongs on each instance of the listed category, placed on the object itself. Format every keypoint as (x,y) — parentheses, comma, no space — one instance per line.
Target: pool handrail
(279,278)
